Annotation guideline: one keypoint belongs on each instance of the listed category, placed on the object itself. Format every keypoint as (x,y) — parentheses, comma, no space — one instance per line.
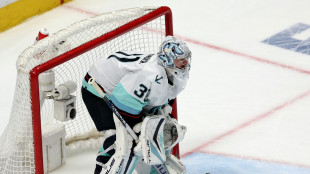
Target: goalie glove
(173,133)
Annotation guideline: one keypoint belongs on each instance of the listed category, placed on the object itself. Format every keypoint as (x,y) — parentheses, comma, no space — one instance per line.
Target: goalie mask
(175,55)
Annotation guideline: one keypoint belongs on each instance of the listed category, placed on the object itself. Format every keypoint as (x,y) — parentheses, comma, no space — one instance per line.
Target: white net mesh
(16,143)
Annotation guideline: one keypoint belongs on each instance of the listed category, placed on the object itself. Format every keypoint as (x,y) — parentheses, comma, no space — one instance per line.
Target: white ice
(239,100)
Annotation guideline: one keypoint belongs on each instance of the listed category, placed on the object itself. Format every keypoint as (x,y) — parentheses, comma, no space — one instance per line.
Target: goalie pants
(99,111)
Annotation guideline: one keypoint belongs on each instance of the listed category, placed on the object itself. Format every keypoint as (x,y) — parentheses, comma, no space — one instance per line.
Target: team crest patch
(147,58)
(157,79)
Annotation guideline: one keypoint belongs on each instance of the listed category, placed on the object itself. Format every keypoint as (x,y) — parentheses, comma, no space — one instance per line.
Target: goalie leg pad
(141,167)
(120,164)
(159,169)
(172,166)
(107,148)
(152,140)
(104,154)
(123,161)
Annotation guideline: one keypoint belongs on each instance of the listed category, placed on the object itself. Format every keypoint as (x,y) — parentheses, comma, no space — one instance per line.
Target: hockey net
(70,53)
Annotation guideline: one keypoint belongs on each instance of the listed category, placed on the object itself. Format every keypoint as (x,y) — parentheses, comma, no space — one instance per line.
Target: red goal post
(144,27)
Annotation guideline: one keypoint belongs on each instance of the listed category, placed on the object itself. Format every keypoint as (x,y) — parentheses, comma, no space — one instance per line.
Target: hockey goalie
(129,96)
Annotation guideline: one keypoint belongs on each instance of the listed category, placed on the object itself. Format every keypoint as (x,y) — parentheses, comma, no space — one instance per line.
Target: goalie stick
(93,82)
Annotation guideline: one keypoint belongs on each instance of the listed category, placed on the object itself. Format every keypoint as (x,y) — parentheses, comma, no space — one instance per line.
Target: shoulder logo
(157,79)
(147,58)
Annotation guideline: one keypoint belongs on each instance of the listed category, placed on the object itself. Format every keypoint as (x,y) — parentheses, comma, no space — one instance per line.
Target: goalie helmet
(175,55)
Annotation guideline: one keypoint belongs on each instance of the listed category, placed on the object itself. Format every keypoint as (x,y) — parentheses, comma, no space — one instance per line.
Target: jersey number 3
(143,89)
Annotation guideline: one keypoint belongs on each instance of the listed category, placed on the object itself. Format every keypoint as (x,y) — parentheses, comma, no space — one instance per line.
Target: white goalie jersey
(135,82)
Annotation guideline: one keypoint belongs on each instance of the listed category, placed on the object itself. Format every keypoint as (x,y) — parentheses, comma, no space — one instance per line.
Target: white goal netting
(17,150)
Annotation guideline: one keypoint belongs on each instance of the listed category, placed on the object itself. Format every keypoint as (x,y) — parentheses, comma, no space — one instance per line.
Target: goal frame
(36,71)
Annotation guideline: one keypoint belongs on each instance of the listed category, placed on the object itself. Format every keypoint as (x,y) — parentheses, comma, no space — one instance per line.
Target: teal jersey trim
(156,109)
(126,102)
(90,88)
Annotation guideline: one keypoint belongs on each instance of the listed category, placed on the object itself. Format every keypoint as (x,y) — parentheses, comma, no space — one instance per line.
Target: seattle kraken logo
(170,52)
(157,79)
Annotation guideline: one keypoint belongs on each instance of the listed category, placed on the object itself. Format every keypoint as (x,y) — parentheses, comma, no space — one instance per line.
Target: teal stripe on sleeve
(126,102)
